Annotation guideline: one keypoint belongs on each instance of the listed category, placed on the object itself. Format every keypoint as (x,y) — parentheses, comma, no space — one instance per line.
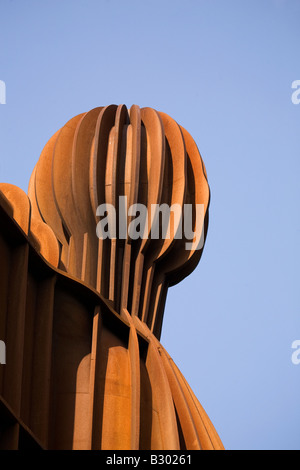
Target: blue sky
(223,70)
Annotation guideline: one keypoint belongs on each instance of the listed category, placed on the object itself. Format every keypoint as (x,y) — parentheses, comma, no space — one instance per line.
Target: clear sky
(223,70)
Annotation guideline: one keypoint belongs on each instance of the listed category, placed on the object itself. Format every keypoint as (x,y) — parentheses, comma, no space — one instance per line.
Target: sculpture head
(110,162)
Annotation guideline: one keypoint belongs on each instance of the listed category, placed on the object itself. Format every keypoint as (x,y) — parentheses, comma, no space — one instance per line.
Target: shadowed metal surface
(85,369)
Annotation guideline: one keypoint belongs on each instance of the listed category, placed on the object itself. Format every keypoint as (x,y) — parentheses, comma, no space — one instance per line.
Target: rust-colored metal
(81,316)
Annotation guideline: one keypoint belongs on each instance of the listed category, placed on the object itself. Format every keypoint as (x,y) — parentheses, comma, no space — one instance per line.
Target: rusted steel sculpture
(80,315)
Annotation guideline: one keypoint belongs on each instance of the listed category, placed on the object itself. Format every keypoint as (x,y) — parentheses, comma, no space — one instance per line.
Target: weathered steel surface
(81,316)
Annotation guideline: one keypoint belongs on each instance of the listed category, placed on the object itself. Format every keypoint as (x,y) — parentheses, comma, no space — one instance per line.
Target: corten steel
(81,317)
